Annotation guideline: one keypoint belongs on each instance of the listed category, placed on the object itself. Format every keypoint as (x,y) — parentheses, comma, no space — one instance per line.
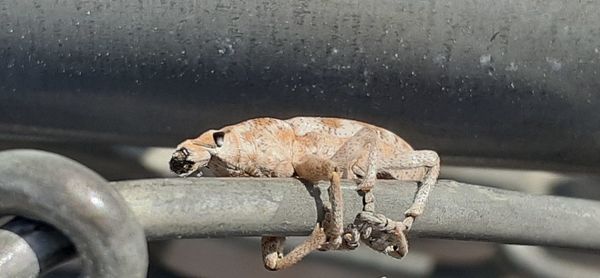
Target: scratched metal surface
(496,79)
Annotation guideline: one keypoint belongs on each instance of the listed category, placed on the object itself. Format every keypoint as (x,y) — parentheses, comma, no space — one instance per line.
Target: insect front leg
(272,249)
(313,169)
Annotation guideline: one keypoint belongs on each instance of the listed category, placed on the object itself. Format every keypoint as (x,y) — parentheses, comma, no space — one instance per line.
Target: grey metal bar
(40,248)
(17,258)
(225,207)
(78,202)
(538,262)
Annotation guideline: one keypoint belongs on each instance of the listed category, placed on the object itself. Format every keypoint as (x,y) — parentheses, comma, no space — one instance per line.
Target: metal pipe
(40,248)
(538,262)
(59,191)
(17,258)
(457,77)
(226,207)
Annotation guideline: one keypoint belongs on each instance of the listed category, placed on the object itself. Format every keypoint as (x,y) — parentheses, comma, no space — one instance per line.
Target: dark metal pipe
(495,79)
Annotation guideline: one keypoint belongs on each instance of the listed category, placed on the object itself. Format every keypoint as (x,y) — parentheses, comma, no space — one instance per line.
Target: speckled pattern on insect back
(314,148)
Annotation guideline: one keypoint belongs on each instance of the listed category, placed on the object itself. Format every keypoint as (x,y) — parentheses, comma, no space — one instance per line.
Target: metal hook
(80,204)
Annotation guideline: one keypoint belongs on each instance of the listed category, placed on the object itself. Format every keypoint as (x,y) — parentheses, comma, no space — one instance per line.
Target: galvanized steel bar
(30,248)
(226,207)
(78,202)
(17,258)
(535,261)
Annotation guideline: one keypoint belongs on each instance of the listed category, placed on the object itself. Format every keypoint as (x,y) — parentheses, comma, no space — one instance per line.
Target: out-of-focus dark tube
(495,79)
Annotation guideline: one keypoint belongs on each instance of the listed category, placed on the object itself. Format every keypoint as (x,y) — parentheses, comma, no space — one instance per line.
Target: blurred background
(506,92)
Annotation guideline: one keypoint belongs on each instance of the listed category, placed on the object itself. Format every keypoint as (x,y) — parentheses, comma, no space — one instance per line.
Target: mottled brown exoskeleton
(313,149)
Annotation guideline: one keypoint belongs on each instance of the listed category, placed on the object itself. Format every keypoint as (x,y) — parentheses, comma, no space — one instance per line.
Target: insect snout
(179,161)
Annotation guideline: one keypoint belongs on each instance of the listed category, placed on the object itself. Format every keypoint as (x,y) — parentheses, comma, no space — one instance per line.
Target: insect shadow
(315,192)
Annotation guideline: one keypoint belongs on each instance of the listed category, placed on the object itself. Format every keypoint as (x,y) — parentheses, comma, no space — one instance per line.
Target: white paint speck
(440,59)
(554,63)
(485,60)
(512,67)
